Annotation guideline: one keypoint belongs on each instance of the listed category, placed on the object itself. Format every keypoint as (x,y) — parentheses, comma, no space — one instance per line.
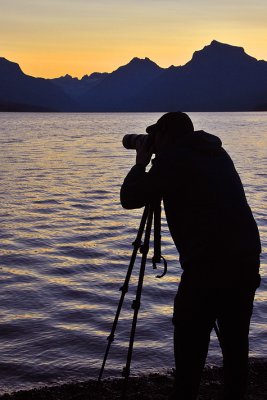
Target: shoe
(174,395)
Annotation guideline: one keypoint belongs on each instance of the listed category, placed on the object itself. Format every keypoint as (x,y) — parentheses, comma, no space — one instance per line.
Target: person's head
(170,129)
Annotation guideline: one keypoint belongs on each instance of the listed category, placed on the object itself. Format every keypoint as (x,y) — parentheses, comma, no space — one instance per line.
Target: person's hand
(143,155)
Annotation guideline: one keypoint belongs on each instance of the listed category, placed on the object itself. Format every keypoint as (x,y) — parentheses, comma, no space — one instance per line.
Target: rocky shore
(148,387)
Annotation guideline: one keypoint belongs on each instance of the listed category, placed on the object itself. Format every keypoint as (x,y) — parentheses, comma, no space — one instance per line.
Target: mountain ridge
(219,77)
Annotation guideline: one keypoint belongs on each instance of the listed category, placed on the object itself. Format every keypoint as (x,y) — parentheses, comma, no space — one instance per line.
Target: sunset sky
(49,38)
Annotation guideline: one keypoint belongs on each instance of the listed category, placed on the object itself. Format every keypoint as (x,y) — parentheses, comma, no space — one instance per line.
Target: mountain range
(220,77)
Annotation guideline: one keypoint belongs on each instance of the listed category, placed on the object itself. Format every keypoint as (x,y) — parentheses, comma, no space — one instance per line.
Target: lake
(66,243)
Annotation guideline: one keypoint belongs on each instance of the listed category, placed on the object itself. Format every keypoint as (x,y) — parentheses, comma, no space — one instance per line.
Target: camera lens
(131,141)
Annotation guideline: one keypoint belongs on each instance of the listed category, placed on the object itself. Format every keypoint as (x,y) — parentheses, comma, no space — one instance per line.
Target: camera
(132,141)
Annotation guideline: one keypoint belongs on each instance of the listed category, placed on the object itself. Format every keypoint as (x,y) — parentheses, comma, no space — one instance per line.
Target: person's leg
(234,320)
(193,321)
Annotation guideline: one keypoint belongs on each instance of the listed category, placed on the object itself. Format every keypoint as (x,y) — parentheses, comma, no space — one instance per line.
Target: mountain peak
(96,75)
(216,43)
(219,46)
(9,68)
(68,76)
(138,66)
(220,53)
(136,61)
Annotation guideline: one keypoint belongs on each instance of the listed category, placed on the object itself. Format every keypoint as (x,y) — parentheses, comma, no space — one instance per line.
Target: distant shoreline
(122,112)
(146,387)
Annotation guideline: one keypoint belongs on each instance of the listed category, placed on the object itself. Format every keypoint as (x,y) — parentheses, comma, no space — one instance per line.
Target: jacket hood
(203,140)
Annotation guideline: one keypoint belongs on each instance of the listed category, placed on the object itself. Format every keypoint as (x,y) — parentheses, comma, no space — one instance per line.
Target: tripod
(150,211)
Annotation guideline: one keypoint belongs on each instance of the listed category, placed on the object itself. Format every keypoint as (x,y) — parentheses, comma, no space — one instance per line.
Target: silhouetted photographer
(217,239)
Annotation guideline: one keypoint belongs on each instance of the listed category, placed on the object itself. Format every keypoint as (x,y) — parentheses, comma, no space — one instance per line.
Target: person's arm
(140,187)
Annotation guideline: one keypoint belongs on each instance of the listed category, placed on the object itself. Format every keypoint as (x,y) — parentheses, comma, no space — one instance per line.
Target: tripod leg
(124,288)
(137,301)
(218,333)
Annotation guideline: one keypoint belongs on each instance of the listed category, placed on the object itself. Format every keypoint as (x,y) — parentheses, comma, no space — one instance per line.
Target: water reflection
(66,243)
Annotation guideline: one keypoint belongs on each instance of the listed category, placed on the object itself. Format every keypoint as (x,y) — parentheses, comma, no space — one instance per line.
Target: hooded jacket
(204,200)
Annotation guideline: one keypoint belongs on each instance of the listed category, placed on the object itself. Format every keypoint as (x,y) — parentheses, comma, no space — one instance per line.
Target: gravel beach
(148,387)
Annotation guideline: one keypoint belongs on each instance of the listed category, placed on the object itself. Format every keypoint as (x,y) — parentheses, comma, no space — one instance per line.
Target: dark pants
(195,311)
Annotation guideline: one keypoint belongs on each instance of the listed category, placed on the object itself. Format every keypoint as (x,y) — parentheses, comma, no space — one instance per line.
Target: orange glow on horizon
(55,65)
(54,38)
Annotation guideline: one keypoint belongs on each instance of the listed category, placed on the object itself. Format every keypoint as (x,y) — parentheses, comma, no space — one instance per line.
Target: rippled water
(66,245)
